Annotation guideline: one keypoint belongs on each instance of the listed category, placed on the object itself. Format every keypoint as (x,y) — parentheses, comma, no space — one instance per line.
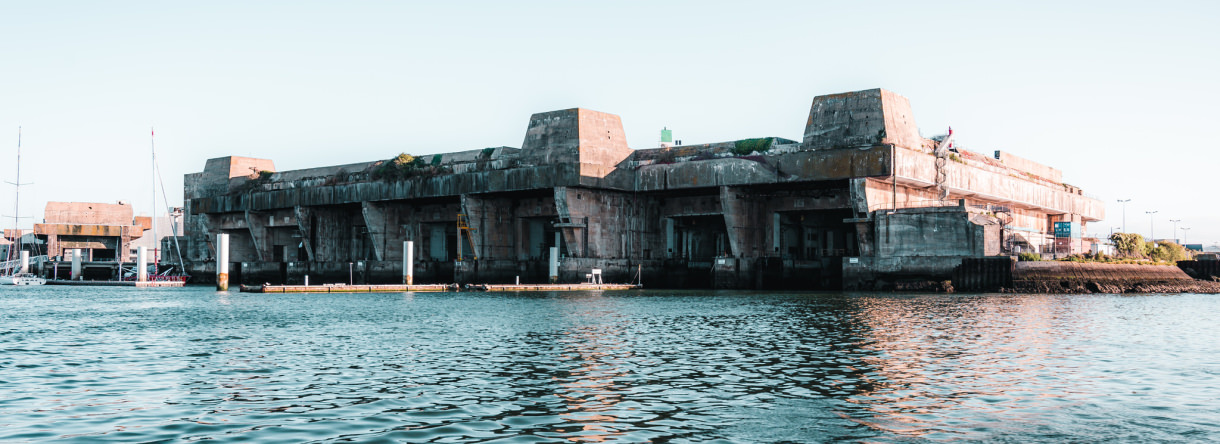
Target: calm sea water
(90,364)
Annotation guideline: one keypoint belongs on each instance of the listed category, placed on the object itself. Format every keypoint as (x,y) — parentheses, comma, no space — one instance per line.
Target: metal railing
(16,263)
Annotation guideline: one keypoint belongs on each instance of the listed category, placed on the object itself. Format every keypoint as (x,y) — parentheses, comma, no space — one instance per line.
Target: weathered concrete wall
(925,243)
(593,140)
(1029,166)
(597,223)
(861,118)
(87,213)
(936,231)
(995,184)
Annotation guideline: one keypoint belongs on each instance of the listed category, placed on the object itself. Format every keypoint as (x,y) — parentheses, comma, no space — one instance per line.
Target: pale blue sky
(1119,95)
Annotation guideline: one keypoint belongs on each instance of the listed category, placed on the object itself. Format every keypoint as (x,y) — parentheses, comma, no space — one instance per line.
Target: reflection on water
(192,364)
(593,351)
(985,348)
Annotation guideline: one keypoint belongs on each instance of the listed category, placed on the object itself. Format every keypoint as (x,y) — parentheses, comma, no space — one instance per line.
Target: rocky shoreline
(1092,286)
(1055,277)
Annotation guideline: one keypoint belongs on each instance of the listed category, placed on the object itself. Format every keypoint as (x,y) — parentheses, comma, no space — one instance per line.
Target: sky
(1119,95)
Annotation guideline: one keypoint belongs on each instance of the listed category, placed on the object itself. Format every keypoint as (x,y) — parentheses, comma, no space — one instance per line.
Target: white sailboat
(16,272)
(174,276)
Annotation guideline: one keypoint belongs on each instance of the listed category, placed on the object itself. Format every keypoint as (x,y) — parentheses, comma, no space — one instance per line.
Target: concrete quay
(860,201)
(344,288)
(138,284)
(431,288)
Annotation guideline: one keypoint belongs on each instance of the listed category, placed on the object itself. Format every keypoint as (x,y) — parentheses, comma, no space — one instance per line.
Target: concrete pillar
(864,232)
(76,264)
(25,261)
(257,223)
(776,233)
(408,263)
(669,237)
(222,262)
(688,238)
(142,264)
(553,268)
(305,225)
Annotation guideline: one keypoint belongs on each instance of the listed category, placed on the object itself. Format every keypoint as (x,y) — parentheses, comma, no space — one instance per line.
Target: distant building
(163,245)
(27,240)
(103,232)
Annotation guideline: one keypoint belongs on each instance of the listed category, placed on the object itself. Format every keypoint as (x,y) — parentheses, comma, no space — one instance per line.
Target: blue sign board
(1067,230)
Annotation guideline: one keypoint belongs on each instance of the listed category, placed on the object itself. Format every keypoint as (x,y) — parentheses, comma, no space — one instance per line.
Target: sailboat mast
(152,140)
(165,198)
(16,205)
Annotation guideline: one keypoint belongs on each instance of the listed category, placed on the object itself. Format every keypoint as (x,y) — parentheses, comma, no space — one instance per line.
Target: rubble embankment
(1077,277)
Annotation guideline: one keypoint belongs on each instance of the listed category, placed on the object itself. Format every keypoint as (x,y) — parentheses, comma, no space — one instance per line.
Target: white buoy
(408,262)
(222,262)
(553,270)
(76,265)
(142,264)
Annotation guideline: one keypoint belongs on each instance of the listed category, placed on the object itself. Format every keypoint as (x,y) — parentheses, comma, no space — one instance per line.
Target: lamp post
(1124,202)
(1151,226)
(1175,228)
(1184,234)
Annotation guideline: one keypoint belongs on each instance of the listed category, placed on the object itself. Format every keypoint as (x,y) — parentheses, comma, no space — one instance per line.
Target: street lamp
(1124,202)
(1184,234)
(1175,228)
(1151,226)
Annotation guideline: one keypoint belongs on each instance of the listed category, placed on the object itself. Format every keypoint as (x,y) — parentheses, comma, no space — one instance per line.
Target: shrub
(406,166)
(398,168)
(1129,245)
(1029,256)
(1166,251)
(666,156)
(745,147)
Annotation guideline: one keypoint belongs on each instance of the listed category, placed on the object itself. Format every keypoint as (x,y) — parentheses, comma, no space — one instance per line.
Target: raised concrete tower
(593,139)
(860,118)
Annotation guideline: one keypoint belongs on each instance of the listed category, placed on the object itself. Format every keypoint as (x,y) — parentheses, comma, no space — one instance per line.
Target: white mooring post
(142,264)
(222,262)
(553,270)
(408,262)
(76,265)
(25,261)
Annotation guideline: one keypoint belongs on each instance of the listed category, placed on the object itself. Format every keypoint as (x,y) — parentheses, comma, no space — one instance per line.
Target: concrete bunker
(854,204)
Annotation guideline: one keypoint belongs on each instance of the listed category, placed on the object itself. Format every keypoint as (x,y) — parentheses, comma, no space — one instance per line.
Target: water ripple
(151,365)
